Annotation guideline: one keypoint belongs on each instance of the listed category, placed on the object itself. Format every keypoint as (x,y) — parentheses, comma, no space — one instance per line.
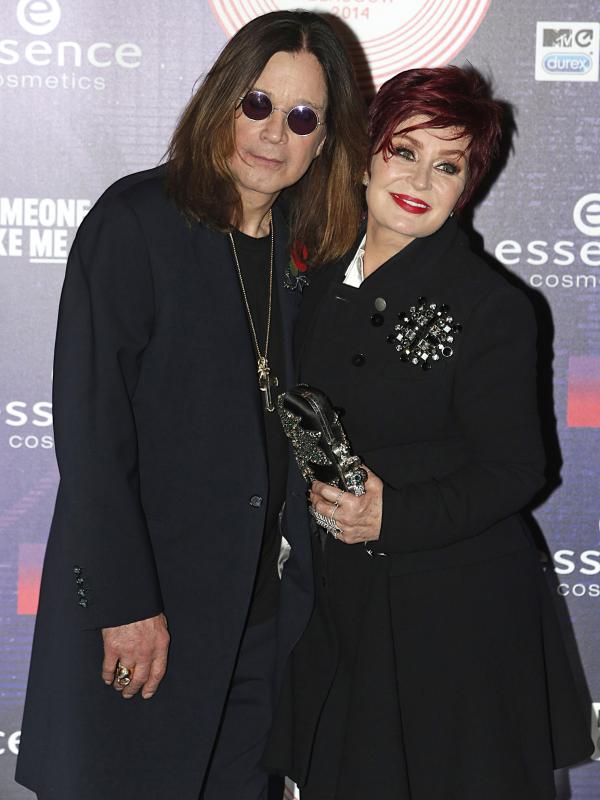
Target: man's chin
(269,189)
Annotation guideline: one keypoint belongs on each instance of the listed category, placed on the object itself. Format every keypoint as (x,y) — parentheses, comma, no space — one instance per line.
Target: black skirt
(449,683)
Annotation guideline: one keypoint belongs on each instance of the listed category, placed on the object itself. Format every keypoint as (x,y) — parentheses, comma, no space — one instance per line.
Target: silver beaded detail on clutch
(305,443)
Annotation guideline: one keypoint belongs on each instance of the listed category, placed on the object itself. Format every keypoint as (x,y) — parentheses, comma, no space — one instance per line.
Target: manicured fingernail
(108,683)
(148,695)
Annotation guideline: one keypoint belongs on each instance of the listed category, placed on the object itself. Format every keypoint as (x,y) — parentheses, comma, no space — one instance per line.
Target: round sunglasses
(301,120)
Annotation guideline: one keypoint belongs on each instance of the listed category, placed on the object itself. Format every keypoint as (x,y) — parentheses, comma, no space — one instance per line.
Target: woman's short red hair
(451,97)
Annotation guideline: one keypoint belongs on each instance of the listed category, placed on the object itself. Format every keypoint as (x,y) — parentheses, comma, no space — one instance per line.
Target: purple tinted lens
(256,105)
(302,120)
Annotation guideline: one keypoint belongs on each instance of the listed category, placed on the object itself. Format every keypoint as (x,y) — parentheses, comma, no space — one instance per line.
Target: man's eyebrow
(301,102)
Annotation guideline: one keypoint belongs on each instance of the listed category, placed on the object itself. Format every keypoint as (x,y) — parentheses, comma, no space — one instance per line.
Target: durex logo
(38,17)
(567,63)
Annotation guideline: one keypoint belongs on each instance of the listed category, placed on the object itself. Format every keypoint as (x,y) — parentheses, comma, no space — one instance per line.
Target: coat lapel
(320,280)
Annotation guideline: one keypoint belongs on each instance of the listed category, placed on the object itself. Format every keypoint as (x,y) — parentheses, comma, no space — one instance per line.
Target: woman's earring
(365,179)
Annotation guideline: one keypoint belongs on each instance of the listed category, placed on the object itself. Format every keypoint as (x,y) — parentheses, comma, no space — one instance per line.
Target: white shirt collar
(355,274)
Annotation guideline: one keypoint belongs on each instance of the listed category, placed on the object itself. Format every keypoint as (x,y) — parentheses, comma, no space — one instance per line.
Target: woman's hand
(358,518)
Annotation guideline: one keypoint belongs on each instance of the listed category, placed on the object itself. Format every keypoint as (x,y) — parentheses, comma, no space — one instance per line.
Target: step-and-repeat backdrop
(90,91)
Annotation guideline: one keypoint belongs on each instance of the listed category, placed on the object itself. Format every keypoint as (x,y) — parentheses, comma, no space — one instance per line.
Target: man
(174,338)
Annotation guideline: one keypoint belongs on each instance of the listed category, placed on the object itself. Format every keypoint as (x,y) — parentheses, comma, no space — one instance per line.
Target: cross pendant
(265,381)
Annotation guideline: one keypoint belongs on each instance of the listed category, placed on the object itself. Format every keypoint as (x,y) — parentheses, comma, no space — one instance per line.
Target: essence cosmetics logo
(586,214)
(583,399)
(38,17)
(570,255)
(44,63)
(567,51)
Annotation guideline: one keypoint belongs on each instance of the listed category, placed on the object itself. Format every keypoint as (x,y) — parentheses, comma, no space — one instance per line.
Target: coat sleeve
(104,326)
(495,405)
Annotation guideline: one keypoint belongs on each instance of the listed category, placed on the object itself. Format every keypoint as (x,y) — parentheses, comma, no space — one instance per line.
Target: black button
(256,501)
(358,359)
(377,320)
(324,581)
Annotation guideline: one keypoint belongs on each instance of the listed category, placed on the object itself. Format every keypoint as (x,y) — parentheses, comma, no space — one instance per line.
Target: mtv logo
(567,51)
(562,37)
(567,37)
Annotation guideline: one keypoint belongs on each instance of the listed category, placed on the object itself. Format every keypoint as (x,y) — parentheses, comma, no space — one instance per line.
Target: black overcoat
(161,504)
(438,669)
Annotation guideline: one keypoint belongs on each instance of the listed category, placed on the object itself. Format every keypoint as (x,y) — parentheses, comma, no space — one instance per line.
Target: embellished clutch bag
(320,444)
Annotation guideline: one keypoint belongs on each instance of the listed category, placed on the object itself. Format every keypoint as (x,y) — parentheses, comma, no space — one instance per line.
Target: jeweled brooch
(425,334)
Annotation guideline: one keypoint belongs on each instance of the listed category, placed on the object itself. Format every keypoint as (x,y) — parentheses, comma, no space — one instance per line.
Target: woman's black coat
(161,504)
(437,670)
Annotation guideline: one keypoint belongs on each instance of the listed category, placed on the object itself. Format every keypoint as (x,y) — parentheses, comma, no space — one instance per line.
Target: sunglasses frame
(274,108)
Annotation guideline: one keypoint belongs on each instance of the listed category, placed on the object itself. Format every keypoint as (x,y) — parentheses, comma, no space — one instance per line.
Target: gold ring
(123,674)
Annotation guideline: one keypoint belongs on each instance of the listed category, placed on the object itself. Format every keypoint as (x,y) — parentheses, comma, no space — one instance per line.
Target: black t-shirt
(254,257)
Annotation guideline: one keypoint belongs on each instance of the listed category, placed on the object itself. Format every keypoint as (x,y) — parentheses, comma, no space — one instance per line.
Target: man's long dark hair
(324,206)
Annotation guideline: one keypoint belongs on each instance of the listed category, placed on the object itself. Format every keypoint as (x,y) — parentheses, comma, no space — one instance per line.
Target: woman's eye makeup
(403,152)
(449,167)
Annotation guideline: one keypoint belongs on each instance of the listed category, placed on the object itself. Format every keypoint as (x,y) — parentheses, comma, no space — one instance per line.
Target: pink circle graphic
(393,35)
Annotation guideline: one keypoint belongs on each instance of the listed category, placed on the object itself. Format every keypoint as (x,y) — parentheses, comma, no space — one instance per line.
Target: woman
(174,322)
(432,667)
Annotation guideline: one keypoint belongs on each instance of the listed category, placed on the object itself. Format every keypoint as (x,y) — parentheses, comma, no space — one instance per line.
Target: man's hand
(140,646)
(359,518)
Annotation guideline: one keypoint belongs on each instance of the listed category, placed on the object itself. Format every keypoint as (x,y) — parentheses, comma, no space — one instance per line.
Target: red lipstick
(411,204)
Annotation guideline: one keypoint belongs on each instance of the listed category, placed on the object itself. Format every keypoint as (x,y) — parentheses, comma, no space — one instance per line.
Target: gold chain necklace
(265,380)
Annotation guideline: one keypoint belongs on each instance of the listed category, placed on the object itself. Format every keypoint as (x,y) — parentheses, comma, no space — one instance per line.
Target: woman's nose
(421,176)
